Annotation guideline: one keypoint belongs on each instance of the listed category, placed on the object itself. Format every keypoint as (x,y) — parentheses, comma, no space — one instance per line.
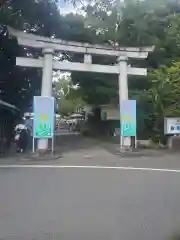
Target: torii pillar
(46,87)
(123,92)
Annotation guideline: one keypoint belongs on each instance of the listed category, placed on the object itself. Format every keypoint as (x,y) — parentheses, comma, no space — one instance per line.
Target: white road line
(91,167)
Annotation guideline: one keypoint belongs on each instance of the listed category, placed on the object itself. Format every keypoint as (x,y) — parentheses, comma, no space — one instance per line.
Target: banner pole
(52,147)
(135,141)
(121,139)
(33,145)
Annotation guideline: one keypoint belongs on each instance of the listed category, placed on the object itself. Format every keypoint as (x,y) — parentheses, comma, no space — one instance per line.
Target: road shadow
(83,146)
(62,144)
(73,143)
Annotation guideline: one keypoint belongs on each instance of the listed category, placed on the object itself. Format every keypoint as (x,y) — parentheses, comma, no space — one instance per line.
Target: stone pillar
(87,58)
(46,87)
(123,93)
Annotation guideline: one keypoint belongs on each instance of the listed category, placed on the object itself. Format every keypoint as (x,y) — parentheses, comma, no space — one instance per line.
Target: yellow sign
(43,117)
(127,118)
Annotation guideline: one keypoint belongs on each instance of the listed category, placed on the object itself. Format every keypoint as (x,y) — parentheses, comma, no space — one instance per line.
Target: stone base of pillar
(174,143)
(43,147)
(126,143)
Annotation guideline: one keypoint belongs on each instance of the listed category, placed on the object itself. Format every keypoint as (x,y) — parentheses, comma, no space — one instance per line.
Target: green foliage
(162,99)
(133,23)
(19,85)
(67,96)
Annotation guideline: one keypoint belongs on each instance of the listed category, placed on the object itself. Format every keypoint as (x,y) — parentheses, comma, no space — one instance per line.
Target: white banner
(172,125)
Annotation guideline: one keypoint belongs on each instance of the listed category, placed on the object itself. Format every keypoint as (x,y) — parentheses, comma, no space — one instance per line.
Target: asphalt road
(86,204)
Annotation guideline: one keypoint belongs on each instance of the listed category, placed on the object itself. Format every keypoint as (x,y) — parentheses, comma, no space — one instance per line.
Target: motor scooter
(21,139)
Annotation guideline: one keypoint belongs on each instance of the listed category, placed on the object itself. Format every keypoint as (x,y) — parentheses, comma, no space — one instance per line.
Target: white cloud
(70,8)
(67,9)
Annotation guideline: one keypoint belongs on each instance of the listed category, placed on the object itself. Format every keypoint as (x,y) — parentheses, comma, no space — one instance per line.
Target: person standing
(29,125)
(21,136)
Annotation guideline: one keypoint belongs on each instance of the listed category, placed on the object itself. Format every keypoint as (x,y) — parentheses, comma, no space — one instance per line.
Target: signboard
(128,118)
(172,126)
(43,117)
(110,113)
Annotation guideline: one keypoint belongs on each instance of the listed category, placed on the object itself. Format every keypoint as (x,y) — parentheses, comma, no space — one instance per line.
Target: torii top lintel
(32,40)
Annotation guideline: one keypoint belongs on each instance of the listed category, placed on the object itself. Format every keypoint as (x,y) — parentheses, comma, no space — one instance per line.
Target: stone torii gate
(49,46)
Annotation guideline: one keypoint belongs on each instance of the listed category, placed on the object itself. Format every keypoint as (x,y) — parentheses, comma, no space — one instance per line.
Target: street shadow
(71,143)
(62,144)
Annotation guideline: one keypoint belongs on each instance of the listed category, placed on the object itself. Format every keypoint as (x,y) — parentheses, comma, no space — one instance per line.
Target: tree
(18,85)
(135,23)
(67,96)
(162,99)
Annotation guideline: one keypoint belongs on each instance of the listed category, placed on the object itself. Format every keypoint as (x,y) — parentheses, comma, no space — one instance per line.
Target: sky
(66,8)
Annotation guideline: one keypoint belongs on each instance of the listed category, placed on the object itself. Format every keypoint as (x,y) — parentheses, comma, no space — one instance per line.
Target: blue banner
(128,118)
(43,126)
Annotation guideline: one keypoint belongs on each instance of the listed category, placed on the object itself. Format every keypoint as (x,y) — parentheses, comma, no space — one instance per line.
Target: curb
(45,157)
